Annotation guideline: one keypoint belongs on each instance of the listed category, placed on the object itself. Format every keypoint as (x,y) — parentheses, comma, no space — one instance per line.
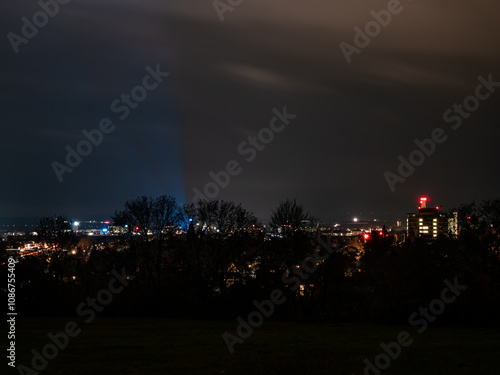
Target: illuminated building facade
(430,222)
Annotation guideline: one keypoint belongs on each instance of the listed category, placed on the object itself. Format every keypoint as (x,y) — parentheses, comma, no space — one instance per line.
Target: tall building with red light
(429,222)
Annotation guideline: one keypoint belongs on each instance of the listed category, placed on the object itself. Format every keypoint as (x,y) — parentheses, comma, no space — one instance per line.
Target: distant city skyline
(341,218)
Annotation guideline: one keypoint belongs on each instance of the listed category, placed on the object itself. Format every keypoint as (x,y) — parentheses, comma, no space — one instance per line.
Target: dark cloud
(353,120)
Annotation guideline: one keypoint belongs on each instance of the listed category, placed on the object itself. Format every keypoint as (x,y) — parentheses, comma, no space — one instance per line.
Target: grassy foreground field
(128,346)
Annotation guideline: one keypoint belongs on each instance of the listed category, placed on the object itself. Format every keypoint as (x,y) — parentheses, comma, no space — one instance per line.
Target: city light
(423,202)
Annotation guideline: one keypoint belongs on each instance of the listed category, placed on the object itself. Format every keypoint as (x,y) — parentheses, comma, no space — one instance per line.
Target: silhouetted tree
(291,215)
(55,230)
(220,216)
(157,218)
(224,242)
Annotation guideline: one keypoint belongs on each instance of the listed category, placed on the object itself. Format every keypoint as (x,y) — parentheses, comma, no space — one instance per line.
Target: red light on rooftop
(423,202)
(437,207)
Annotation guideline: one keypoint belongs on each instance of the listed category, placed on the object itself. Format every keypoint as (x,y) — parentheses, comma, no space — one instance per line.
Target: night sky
(226,77)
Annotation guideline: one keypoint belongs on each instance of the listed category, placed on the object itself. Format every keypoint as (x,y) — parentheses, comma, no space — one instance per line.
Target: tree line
(214,258)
